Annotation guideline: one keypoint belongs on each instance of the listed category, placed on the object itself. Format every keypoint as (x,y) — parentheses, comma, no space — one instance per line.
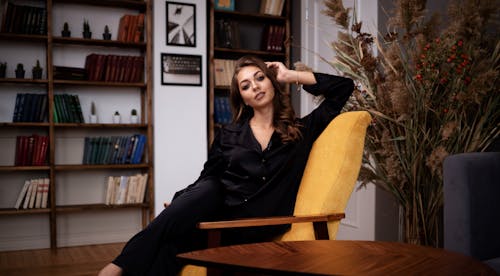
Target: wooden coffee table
(327,257)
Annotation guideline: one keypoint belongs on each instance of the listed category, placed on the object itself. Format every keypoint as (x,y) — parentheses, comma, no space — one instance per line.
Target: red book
(131,28)
(30,149)
(129,66)
(90,67)
(139,32)
(19,146)
(36,150)
(23,150)
(123,27)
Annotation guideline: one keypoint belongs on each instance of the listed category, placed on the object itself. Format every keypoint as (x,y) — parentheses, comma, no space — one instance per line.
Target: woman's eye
(244,87)
(260,77)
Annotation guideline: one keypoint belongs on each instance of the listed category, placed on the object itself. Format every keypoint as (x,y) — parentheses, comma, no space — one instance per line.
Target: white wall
(318,31)
(180,113)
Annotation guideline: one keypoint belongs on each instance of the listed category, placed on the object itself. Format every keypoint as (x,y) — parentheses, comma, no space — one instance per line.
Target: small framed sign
(177,69)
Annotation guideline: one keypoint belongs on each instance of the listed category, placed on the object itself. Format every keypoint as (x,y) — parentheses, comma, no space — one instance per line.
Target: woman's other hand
(283,74)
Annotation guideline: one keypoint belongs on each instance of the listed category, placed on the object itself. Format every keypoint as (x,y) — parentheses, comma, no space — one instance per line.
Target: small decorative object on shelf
(3,69)
(134,119)
(20,71)
(106,35)
(116,117)
(86,29)
(65,31)
(37,71)
(93,114)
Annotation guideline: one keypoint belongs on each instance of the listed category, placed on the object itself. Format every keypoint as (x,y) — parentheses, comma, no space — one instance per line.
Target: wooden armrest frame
(319,223)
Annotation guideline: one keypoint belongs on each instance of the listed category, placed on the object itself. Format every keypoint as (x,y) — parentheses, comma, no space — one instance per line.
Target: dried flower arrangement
(433,92)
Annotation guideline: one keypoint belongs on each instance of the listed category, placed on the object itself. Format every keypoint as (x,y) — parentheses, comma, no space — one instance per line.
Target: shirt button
(245,200)
(263,160)
(263,178)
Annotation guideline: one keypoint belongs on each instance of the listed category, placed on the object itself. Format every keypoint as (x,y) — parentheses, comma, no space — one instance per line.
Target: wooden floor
(68,261)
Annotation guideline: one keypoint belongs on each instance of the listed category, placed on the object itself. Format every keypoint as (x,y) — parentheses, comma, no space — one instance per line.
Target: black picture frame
(181,24)
(181,69)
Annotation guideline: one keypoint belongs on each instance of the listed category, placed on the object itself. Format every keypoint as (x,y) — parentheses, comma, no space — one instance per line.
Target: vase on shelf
(116,118)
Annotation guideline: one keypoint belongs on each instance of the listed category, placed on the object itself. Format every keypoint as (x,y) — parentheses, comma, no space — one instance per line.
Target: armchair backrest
(331,172)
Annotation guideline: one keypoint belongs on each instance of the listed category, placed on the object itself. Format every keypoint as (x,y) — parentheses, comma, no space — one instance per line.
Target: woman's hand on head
(283,74)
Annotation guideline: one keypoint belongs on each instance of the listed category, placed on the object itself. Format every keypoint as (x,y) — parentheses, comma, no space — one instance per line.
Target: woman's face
(256,89)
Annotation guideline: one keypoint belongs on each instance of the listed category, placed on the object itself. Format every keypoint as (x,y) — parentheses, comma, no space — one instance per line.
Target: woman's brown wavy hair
(284,119)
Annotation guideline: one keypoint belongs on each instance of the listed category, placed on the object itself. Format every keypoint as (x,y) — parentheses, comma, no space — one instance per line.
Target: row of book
(222,110)
(33,194)
(69,73)
(31,150)
(131,28)
(274,36)
(223,71)
(114,149)
(272,7)
(114,68)
(126,189)
(67,109)
(23,19)
(30,107)
(227,34)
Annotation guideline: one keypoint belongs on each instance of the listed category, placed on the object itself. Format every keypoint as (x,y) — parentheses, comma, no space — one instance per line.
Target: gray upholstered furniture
(472,205)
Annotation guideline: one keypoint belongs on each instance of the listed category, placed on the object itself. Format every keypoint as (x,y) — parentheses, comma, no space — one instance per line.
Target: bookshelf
(242,29)
(63,164)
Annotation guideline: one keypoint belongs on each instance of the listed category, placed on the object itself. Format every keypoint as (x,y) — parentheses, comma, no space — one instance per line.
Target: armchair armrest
(319,223)
(267,221)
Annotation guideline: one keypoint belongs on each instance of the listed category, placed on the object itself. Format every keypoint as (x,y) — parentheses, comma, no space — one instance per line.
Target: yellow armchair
(326,186)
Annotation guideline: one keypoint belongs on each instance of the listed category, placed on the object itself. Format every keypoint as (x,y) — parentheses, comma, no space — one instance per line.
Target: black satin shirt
(260,182)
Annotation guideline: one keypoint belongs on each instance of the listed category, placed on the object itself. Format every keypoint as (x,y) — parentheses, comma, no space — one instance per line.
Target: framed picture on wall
(177,69)
(181,24)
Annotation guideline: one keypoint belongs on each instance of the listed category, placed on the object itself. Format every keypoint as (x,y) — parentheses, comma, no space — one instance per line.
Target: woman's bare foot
(111,270)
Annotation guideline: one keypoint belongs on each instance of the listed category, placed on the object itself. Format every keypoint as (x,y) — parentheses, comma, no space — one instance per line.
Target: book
(122,190)
(22,194)
(143,180)
(227,5)
(45,192)
(28,195)
(34,190)
(39,193)
(110,186)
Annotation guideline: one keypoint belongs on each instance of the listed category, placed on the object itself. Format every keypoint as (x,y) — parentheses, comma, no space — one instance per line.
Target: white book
(39,193)
(109,190)
(45,192)
(122,190)
(132,189)
(28,195)
(22,193)
(116,189)
(143,186)
(34,183)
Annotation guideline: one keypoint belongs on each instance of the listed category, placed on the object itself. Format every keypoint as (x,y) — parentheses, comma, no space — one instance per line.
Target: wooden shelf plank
(93,207)
(23,81)
(100,83)
(97,42)
(129,4)
(13,211)
(87,125)
(23,37)
(24,124)
(99,167)
(24,168)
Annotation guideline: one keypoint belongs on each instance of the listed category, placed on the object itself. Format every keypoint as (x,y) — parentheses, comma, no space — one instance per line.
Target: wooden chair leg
(321,230)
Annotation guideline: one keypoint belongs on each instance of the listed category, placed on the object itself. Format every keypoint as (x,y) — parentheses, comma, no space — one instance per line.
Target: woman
(254,167)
